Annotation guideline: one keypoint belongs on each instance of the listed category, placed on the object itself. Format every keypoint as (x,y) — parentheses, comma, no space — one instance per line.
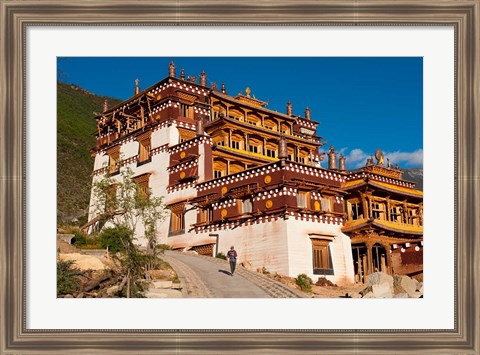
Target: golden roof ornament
(379,156)
(247,92)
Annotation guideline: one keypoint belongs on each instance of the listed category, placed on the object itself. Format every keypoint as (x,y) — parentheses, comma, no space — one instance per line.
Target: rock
(111,291)
(406,283)
(382,290)
(246,265)
(365,291)
(369,295)
(83,262)
(68,296)
(378,278)
(417,294)
(397,289)
(80,295)
(162,284)
(400,295)
(420,287)
(354,295)
(165,293)
(177,285)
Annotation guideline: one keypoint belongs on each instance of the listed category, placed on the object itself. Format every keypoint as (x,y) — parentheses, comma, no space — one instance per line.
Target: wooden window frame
(144,148)
(322,257)
(114,160)
(206,215)
(177,221)
(307,199)
(143,184)
(241,206)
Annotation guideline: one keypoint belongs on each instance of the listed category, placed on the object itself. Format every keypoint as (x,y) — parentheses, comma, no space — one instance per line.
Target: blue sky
(361,103)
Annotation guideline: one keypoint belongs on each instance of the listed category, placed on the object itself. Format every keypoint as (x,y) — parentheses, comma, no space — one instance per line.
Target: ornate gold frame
(16,15)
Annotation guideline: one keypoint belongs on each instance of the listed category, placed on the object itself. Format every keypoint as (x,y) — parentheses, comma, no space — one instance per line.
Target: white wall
(300,250)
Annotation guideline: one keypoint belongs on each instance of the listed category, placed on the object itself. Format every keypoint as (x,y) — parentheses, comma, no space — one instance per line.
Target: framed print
(443,37)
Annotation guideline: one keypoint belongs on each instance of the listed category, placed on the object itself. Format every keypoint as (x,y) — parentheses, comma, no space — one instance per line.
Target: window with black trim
(322,259)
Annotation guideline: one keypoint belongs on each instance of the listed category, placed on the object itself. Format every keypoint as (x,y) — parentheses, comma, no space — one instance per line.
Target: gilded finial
(247,92)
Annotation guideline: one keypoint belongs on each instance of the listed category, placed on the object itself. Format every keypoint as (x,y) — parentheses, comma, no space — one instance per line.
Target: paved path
(208,277)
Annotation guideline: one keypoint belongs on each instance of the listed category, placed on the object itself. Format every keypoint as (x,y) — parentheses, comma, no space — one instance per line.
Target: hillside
(414,175)
(75,125)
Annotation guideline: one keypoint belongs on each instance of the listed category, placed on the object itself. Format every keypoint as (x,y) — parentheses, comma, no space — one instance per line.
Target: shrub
(221,256)
(162,247)
(113,238)
(304,282)
(79,239)
(67,277)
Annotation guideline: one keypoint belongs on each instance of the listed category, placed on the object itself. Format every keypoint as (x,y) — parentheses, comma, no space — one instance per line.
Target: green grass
(75,125)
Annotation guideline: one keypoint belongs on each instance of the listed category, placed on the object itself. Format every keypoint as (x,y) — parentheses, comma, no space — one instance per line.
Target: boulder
(165,293)
(161,284)
(378,278)
(406,283)
(420,287)
(400,295)
(84,262)
(369,295)
(417,295)
(397,289)
(354,295)
(365,291)
(382,290)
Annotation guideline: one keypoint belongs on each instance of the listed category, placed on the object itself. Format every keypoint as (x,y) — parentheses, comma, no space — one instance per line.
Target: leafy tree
(114,238)
(126,206)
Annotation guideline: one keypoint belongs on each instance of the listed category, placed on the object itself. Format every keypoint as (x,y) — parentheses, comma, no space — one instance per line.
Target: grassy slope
(75,124)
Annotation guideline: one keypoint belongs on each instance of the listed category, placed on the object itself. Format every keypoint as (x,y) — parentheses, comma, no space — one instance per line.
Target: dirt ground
(320,291)
(335,292)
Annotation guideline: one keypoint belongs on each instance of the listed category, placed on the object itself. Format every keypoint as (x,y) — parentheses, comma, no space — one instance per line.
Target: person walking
(232,258)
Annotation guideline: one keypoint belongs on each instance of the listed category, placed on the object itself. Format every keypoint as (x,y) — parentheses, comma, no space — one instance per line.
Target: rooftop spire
(289,108)
(171,70)
(307,113)
(203,78)
(137,88)
(342,162)
(332,158)
(282,148)
(182,74)
(224,90)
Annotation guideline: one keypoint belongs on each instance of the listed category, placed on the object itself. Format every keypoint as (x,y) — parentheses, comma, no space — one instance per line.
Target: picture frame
(16,16)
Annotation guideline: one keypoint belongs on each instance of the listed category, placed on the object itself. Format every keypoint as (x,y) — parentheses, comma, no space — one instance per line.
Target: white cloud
(408,159)
(357,158)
